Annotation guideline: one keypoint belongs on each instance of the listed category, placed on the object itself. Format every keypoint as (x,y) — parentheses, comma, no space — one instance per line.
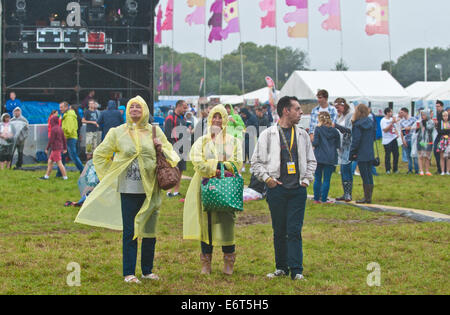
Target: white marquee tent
(262,95)
(420,89)
(441,93)
(363,86)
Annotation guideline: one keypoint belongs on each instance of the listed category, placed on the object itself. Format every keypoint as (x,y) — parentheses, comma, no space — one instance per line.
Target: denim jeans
(365,169)
(131,204)
(72,153)
(321,189)
(347,172)
(411,160)
(287,209)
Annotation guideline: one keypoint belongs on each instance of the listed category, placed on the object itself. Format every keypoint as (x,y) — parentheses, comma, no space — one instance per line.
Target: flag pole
(240,46)
(389,38)
(204,58)
(173,31)
(342,34)
(276,45)
(221,68)
(308,39)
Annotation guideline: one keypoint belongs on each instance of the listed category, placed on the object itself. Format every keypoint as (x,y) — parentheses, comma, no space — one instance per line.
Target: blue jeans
(287,209)
(131,204)
(365,169)
(321,189)
(411,160)
(347,172)
(72,153)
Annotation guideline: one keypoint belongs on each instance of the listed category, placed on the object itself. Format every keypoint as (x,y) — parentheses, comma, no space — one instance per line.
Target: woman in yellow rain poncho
(128,196)
(212,228)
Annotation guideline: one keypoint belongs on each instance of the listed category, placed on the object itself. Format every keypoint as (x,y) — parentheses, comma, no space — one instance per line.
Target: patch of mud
(249,219)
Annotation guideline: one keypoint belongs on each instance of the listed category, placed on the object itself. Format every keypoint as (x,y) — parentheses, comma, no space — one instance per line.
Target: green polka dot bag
(225,193)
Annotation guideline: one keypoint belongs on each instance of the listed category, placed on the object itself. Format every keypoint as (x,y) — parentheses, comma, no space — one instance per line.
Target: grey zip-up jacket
(266,159)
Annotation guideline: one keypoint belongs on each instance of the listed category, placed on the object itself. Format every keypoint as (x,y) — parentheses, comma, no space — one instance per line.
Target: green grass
(38,239)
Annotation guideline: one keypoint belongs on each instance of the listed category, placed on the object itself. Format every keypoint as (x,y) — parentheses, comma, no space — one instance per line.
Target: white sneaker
(442,174)
(299,277)
(448,173)
(356,174)
(276,274)
(151,276)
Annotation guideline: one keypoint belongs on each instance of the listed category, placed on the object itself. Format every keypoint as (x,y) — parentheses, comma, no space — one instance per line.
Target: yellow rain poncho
(121,146)
(205,156)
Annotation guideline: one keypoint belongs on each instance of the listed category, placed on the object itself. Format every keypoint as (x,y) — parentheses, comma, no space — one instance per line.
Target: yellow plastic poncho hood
(118,150)
(205,155)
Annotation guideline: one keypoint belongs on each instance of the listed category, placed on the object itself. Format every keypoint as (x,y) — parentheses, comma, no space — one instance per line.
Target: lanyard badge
(291,170)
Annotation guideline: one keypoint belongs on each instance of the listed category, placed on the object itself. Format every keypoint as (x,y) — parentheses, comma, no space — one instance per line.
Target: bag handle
(222,169)
(376,146)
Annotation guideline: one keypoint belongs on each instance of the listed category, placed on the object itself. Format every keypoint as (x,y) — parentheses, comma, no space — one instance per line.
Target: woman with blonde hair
(212,228)
(128,197)
(425,129)
(326,143)
(344,126)
(361,150)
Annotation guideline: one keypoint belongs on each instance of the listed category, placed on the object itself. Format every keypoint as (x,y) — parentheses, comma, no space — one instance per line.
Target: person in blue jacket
(363,136)
(110,118)
(326,143)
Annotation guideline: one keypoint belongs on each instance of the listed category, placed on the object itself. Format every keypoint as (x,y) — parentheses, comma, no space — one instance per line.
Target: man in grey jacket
(284,160)
(21,125)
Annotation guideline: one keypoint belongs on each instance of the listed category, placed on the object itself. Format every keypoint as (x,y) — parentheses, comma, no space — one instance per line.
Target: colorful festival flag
(333,9)
(231,16)
(215,22)
(177,78)
(168,22)
(377,17)
(198,16)
(164,82)
(158,35)
(270,19)
(300,17)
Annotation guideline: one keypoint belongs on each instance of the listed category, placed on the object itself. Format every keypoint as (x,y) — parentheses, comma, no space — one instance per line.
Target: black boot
(367,196)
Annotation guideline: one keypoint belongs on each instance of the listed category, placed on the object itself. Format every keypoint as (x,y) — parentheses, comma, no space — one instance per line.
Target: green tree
(409,68)
(259,62)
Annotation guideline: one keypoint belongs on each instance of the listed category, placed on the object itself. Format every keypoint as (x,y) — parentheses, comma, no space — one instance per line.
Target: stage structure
(54,50)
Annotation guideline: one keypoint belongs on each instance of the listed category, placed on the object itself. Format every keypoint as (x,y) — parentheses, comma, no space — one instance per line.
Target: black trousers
(391,148)
(437,155)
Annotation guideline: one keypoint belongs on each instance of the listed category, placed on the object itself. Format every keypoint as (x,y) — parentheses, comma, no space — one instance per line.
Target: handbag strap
(376,146)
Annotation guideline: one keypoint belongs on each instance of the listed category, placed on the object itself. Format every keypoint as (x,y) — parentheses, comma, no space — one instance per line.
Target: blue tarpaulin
(37,112)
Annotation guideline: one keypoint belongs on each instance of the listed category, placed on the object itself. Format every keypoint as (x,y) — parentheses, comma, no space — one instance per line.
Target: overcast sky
(414,24)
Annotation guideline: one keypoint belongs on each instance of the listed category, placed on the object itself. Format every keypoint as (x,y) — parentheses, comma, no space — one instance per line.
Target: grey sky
(414,24)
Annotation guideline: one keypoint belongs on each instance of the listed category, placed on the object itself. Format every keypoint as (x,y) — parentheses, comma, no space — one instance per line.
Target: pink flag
(168,22)
(377,17)
(270,19)
(158,35)
(198,16)
(300,17)
(231,16)
(177,78)
(215,22)
(333,9)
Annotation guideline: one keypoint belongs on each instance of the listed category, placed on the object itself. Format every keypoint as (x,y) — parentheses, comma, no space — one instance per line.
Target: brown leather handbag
(167,176)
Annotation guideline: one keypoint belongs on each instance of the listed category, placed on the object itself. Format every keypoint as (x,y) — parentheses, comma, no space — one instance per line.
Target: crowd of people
(286,159)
